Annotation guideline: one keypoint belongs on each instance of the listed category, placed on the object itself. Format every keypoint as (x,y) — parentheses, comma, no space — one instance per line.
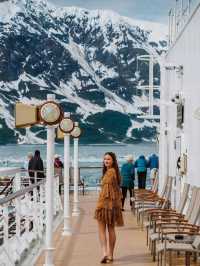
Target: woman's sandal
(104,260)
(109,259)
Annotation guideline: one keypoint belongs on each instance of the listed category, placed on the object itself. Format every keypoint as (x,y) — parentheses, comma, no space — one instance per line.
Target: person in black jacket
(36,164)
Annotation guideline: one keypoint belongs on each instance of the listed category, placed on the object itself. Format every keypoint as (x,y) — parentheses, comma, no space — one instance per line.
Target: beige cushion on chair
(175,247)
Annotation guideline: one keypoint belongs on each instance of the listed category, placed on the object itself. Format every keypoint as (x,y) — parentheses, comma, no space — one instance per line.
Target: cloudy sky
(154,10)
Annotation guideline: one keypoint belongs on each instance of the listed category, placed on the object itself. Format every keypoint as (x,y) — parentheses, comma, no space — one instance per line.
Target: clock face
(50,112)
(66,125)
(76,132)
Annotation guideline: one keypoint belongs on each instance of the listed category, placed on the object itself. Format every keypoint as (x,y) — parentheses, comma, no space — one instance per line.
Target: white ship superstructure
(180,96)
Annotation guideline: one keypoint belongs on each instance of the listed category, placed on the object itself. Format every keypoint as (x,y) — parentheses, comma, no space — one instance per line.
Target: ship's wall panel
(186,52)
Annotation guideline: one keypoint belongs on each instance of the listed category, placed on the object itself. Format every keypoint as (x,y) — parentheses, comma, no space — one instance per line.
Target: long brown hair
(114,165)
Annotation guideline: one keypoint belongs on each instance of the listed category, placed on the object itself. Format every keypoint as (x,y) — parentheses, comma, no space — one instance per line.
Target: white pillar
(49,193)
(163,145)
(76,210)
(67,214)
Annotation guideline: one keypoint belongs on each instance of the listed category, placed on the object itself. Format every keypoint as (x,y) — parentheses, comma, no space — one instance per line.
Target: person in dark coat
(36,164)
(128,177)
(141,164)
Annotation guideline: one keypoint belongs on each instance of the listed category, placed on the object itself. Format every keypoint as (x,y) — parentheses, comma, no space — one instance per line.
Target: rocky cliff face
(87,58)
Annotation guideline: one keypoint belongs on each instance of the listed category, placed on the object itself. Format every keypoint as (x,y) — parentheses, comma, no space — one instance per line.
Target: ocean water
(89,156)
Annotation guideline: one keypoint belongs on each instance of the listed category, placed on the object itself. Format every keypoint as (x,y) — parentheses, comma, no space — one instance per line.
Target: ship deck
(83,248)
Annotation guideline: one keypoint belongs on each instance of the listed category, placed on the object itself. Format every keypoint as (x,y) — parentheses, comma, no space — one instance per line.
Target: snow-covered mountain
(87,58)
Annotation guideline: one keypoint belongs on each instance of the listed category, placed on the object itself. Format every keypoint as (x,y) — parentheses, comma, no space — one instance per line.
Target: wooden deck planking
(83,249)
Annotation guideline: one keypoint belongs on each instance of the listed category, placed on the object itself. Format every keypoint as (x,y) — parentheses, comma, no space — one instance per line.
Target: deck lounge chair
(141,194)
(159,203)
(169,215)
(167,246)
(149,201)
(179,227)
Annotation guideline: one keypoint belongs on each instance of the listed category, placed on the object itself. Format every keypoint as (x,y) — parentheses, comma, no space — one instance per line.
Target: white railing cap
(9,170)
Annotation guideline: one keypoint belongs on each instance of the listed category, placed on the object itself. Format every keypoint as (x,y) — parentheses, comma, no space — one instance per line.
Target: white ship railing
(179,16)
(22,220)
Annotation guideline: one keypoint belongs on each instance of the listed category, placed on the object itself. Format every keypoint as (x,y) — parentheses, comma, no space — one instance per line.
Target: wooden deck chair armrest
(167,215)
(167,221)
(166,210)
(150,200)
(139,200)
(179,227)
(144,192)
(146,195)
(164,217)
(140,190)
(162,211)
(150,210)
(143,201)
(147,201)
(152,196)
(147,192)
(164,224)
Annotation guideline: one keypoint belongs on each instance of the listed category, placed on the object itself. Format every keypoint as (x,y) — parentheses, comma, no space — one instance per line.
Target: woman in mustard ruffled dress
(108,211)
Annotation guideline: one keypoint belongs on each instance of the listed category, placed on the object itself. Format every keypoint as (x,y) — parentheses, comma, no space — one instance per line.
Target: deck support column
(67,214)
(76,210)
(49,194)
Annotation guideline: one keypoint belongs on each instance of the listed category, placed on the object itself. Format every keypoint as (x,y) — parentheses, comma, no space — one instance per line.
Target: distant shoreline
(81,144)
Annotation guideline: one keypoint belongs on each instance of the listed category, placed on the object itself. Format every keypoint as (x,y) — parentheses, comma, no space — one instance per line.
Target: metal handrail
(22,220)
(10,182)
(20,193)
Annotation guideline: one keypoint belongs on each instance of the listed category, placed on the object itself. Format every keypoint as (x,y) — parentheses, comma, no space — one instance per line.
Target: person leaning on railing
(153,164)
(128,177)
(141,164)
(36,168)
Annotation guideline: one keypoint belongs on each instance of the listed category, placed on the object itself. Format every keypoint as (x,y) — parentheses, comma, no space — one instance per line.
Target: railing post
(26,203)
(6,234)
(49,192)
(35,209)
(35,177)
(17,181)
(76,210)
(18,215)
(41,209)
(67,213)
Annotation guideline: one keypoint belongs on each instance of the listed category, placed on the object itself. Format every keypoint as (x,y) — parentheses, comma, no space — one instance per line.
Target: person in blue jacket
(153,163)
(128,177)
(141,164)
